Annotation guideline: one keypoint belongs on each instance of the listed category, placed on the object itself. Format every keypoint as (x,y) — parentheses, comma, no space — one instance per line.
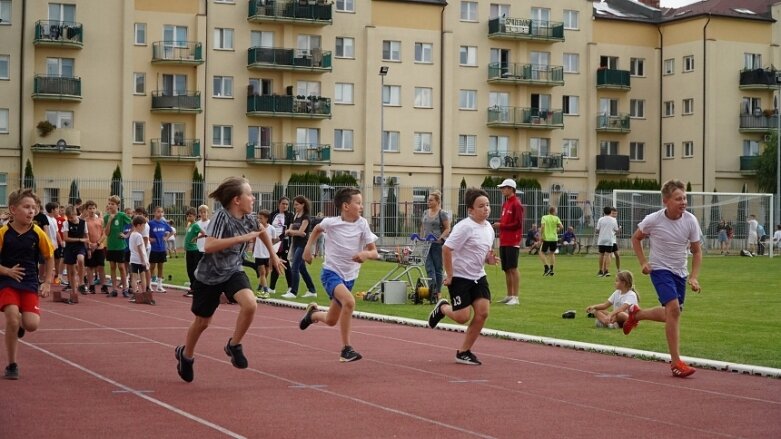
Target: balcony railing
(177,52)
(526,161)
(312,154)
(314,12)
(316,107)
(58,141)
(749,164)
(758,79)
(612,164)
(65,34)
(315,60)
(613,123)
(516,73)
(57,88)
(613,79)
(517,117)
(525,29)
(181,150)
(167,102)
(758,122)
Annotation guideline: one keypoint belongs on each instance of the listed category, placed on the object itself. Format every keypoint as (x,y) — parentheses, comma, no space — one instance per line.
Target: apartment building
(569,92)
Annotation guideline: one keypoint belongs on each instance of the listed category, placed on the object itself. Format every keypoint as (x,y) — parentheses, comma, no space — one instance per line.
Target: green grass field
(736,318)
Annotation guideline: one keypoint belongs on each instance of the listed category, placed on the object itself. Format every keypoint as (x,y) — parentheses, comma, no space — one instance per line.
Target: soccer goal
(710,208)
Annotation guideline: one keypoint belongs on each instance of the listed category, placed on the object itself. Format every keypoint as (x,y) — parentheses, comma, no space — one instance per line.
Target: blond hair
(670,186)
(114,199)
(628,278)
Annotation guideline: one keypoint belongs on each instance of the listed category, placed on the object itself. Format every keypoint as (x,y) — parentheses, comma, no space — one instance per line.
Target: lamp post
(777,209)
(383,72)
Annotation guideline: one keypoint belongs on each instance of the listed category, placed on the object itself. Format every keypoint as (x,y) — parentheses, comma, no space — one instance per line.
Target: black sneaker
(188,294)
(20,332)
(606,274)
(84,290)
(184,367)
(436,314)
(238,360)
(348,355)
(467,357)
(125,293)
(307,320)
(551,273)
(91,289)
(113,293)
(104,289)
(11,372)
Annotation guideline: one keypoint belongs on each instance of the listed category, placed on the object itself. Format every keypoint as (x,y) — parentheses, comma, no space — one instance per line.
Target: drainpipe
(661,98)
(21,94)
(442,98)
(704,95)
(204,94)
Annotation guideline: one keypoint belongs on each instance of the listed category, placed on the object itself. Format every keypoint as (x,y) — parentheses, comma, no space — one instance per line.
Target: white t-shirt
(260,250)
(752,226)
(52,230)
(145,235)
(201,242)
(136,239)
(172,236)
(669,240)
(777,238)
(471,242)
(343,240)
(607,226)
(618,299)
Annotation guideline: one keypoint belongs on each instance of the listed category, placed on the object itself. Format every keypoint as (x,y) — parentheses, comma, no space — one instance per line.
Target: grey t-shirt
(215,268)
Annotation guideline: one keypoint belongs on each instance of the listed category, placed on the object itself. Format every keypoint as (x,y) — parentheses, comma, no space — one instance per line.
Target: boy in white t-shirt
(464,254)
(349,242)
(139,262)
(607,226)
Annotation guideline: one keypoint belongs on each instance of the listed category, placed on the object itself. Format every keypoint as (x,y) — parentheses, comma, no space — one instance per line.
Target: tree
(157,188)
(391,213)
(461,206)
(116,185)
(766,170)
(29,179)
(715,215)
(74,192)
(197,188)
(740,225)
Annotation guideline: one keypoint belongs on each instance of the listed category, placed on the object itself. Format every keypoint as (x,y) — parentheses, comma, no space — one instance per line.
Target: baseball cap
(508,183)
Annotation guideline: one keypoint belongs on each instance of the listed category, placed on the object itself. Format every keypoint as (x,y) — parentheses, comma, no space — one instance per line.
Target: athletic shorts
(463,292)
(115,256)
(262,262)
(752,238)
(26,301)
(509,256)
(606,249)
(206,298)
(331,280)
(98,258)
(615,248)
(59,252)
(127,256)
(137,268)
(158,257)
(669,286)
(549,246)
(72,252)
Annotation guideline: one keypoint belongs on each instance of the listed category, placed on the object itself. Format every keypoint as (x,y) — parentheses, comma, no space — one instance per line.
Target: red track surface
(106,367)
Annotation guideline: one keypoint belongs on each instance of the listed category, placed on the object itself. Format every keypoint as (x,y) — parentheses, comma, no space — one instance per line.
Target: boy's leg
(481,307)
(345,310)
(618,260)
(12,322)
(262,276)
(248,305)
(672,311)
(194,333)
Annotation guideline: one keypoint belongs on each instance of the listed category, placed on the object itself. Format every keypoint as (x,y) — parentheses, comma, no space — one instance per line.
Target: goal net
(710,208)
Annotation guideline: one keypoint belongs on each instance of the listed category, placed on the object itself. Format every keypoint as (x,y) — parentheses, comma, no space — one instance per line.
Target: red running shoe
(682,370)
(631,321)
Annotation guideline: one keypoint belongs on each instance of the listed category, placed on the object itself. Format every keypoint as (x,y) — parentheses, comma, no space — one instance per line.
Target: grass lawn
(736,318)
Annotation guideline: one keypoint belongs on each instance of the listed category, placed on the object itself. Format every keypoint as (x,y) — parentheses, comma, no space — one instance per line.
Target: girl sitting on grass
(622,298)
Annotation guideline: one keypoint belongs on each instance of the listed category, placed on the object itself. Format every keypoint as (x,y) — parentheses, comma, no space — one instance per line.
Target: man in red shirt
(510,227)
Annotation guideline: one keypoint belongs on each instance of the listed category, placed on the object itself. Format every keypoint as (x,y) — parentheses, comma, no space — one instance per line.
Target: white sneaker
(598,324)
(513,301)
(506,299)
(309,294)
(612,325)
(271,291)
(289,295)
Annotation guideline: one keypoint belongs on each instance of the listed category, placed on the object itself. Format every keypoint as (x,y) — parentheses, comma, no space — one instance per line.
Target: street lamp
(383,72)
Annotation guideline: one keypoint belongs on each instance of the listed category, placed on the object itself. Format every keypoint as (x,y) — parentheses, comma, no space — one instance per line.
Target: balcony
(57,88)
(529,74)
(758,79)
(307,107)
(607,123)
(58,141)
(177,52)
(525,29)
(64,34)
(305,154)
(311,12)
(269,58)
(749,164)
(185,150)
(525,162)
(167,102)
(517,117)
(612,164)
(759,122)
(612,79)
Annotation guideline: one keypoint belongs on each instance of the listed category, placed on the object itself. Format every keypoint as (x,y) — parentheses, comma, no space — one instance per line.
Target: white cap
(508,183)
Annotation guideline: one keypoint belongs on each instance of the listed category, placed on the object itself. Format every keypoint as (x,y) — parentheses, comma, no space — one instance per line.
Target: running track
(106,367)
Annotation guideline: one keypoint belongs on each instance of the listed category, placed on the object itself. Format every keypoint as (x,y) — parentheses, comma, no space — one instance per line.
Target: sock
(551,268)
(546,268)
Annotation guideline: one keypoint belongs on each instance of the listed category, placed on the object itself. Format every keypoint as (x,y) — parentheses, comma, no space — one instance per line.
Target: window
(571,63)
(752,61)
(345,5)
(173,199)
(637,108)
(423,52)
(139,32)
(608,107)
(174,36)
(498,10)
(61,67)
(307,88)
(569,148)
(688,148)
(390,141)
(669,150)
(608,147)
(306,43)
(259,87)
(343,140)
(467,56)
(62,12)
(468,11)
(750,148)
(174,85)
(637,151)
(138,132)
(541,14)
(4,120)
(424,97)
(60,119)
(5,16)
(637,67)
(138,198)
(571,19)
(467,99)
(391,95)
(223,38)
(466,144)
(751,106)
(571,105)
(688,106)
(391,50)
(499,145)
(51,195)
(539,146)
(139,83)
(345,47)
(3,188)
(225,1)
(308,136)
(223,87)
(343,93)
(260,136)
(222,135)
(688,63)
(5,66)
(669,66)
(422,142)
(261,39)
(669,108)
(608,62)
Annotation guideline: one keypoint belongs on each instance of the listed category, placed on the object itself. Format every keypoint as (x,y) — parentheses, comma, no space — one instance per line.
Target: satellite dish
(495,162)
(61,145)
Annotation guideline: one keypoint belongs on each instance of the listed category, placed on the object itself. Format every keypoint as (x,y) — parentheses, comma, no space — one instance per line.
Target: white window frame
(139,133)
(424,53)
(391,50)
(467,144)
(137,198)
(637,108)
(345,6)
(468,11)
(343,139)
(539,146)
(60,119)
(346,49)
(263,39)
(668,151)
(424,97)
(223,38)
(172,199)
(637,151)
(750,147)
(422,142)
(637,67)
(467,100)
(669,67)
(222,87)
(568,146)
(669,109)
(571,19)
(175,35)
(139,83)
(467,56)
(571,62)
(497,10)
(5,15)
(608,147)
(4,120)
(570,105)
(688,63)
(5,67)
(219,140)
(391,95)
(752,61)
(390,141)
(259,136)
(60,65)
(688,149)
(139,34)
(343,93)
(499,145)
(688,106)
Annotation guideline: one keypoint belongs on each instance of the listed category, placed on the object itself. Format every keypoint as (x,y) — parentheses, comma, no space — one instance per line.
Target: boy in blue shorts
(349,242)
(670,230)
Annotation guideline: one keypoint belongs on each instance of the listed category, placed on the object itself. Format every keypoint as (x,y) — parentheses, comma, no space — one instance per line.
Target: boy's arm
(447,263)
(370,252)
(47,282)
(696,262)
(637,246)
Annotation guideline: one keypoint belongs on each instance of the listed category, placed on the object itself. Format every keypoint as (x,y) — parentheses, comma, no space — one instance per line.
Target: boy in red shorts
(20,243)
